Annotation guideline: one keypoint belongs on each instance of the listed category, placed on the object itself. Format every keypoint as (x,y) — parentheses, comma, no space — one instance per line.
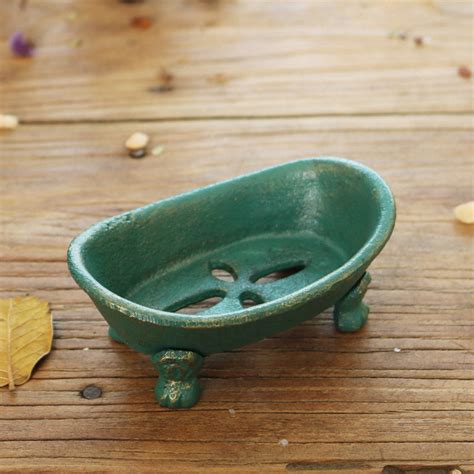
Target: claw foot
(350,312)
(177,386)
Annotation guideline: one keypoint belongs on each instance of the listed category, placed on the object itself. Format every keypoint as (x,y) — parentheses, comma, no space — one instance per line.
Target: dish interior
(237,244)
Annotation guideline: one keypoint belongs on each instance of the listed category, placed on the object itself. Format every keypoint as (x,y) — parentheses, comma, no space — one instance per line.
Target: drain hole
(223,272)
(249,299)
(197,304)
(274,275)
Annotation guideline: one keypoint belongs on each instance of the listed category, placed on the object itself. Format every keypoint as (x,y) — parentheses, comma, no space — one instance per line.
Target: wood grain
(237,59)
(345,403)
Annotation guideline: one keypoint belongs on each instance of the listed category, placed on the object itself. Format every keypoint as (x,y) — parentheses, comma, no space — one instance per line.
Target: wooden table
(229,87)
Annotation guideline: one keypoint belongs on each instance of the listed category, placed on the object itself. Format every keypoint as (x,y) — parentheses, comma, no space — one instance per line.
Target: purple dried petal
(20,46)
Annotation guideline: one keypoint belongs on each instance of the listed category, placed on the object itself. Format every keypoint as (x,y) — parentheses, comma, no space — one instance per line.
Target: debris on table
(136,144)
(464,72)
(141,22)
(283,442)
(21,46)
(465,212)
(26,332)
(401,35)
(157,150)
(76,43)
(166,82)
(231,412)
(397,349)
(418,40)
(70,16)
(8,122)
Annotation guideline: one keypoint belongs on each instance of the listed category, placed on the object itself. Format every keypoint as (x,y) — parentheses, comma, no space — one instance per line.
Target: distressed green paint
(328,216)
(177,386)
(350,312)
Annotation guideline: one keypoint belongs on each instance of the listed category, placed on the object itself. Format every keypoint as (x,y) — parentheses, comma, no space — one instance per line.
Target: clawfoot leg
(177,386)
(113,335)
(350,312)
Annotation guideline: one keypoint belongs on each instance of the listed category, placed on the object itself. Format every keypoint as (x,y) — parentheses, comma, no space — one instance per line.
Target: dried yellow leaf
(26,335)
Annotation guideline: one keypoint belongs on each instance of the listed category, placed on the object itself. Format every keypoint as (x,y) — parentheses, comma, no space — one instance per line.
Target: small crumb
(137,141)
(141,22)
(464,72)
(283,442)
(77,43)
(85,349)
(70,16)
(231,412)
(220,78)
(166,80)
(21,46)
(418,40)
(397,349)
(8,122)
(465,212)
(455,471)
(401,35)
(157,150)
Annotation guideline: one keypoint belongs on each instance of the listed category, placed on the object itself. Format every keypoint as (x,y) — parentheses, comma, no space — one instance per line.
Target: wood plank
(123,456)
(229,58)
(345,403)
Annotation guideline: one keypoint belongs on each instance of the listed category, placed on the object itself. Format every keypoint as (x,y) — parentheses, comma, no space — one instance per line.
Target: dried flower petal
(20,46)
(158,150)
(464,72)
(142,22)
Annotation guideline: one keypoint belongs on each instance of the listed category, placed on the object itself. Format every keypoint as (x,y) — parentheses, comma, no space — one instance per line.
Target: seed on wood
(91,392)
(464,72)
(8,122)
(465,212)
(418,40)
(157,150)
(137,141)
(141,22)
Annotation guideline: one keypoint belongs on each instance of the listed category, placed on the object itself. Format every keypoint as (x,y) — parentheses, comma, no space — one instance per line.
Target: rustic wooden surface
(254,83)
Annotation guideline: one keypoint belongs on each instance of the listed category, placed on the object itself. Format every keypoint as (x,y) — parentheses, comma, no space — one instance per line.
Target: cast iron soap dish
(326,219)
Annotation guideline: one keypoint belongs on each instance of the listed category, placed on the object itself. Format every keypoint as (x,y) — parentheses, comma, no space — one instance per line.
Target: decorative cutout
(279,274)
(197,303)
(249,299)
(223,271)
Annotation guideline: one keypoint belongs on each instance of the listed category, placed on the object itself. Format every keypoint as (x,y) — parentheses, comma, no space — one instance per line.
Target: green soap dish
(321,220)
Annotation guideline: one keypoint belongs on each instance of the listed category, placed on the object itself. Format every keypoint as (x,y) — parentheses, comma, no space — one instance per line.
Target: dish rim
(361,259)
